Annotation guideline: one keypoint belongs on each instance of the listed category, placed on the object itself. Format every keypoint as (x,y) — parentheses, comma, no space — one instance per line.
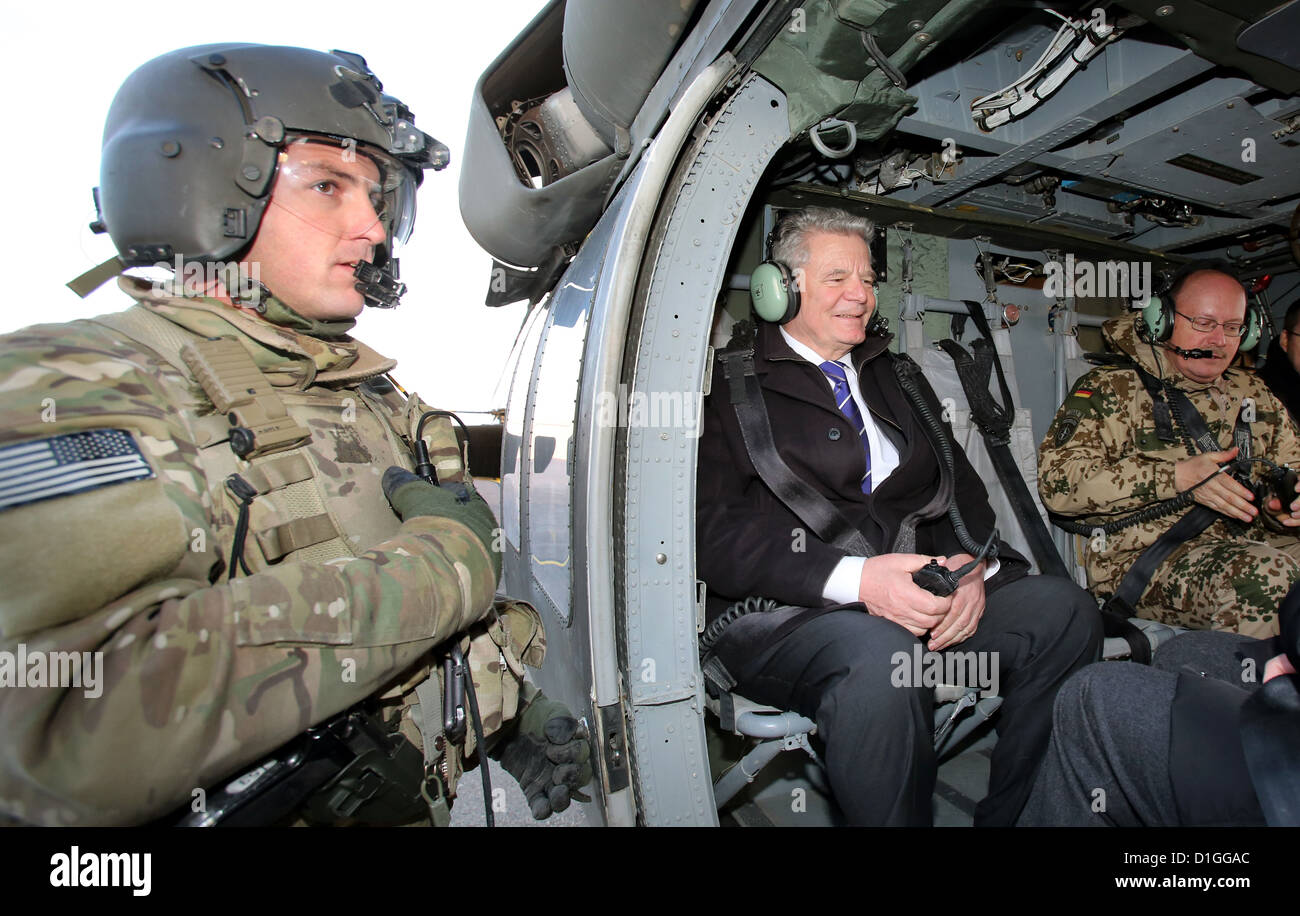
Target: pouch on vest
(259,422)
(230,379)
(301,519)
(496,649)
(260,426)
(499,648)
(446,453)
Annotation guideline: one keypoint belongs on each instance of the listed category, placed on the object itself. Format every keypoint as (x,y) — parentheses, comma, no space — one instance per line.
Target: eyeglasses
(1206,325)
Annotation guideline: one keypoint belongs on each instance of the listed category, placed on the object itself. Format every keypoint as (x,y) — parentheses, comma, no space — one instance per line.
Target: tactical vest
(309,463)
(313,458)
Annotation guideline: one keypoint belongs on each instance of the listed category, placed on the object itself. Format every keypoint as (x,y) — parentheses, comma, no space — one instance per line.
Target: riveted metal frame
(668,348)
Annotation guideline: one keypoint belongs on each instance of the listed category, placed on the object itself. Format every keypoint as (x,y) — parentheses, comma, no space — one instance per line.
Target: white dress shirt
(842,585)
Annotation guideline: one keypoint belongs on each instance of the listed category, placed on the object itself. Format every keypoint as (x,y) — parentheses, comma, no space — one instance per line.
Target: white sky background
(67,60)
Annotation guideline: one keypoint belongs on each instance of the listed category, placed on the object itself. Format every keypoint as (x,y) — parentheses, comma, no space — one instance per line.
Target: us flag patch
(72,463)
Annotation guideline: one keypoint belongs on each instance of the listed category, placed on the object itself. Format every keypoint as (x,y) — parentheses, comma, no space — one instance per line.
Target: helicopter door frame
(668,344)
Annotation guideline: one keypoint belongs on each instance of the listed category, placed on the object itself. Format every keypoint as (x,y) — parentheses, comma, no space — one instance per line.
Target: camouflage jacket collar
(1121,336)
(289,357)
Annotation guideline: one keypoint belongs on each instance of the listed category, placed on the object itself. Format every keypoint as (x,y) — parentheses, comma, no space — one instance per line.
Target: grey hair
(790,238)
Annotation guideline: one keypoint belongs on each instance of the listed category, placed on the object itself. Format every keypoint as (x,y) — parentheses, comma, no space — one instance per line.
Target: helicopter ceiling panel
(1224,157)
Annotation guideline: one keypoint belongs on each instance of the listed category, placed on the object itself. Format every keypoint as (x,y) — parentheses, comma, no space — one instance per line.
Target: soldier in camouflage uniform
(1102,460)
(196,487)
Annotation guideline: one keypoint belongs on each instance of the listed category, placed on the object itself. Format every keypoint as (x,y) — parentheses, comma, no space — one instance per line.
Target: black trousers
(852,674)
(1160,746)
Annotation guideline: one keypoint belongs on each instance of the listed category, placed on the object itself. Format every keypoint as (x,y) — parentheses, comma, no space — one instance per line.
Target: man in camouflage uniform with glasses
(1102,460)
(211,493)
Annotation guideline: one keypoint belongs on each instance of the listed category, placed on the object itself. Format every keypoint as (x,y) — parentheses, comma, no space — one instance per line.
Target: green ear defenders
(1254,326)
(774,292)
(1158,313)
(1157,319)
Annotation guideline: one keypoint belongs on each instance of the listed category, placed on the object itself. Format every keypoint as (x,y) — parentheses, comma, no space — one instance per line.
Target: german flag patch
(1079,402)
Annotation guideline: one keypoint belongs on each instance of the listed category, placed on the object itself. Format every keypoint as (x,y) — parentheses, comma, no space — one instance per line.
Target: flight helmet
(194,138)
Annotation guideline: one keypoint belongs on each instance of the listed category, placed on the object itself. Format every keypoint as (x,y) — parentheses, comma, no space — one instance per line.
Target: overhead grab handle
(814,134)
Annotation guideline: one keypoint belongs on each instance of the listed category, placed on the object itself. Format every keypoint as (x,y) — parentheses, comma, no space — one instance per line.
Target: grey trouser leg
(1209,653)
(1108,760)
(1116,726)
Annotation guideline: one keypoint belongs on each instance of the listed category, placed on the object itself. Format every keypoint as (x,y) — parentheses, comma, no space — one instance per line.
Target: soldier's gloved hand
(548,756)
(411,497)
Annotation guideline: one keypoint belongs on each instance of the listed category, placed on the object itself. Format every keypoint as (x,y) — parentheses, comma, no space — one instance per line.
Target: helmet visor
(345,190)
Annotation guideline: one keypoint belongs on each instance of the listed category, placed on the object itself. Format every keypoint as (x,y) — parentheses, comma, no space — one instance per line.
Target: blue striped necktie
(844,401)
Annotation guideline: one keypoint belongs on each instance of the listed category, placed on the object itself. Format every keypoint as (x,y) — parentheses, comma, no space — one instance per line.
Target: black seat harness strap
(925,402)
(985,360)
(1135,581)
(994,423)
(811,507)
(1159,406)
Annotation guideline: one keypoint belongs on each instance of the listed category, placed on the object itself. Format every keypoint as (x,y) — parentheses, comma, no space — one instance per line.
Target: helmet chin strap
(255,302)
(379,286)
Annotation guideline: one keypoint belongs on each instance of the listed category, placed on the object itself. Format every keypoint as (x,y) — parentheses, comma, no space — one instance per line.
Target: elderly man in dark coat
(846,654)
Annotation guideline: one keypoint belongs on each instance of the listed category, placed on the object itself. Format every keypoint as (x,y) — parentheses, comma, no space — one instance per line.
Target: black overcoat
(749,543)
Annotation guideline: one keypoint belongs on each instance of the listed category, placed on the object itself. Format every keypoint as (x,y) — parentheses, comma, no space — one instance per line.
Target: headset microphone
(1190,354)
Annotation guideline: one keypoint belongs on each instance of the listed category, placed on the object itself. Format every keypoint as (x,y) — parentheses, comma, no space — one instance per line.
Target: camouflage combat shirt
(1102,460)
(201,675)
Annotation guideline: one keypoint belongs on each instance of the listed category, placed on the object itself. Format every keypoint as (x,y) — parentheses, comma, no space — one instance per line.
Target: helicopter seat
(958,712)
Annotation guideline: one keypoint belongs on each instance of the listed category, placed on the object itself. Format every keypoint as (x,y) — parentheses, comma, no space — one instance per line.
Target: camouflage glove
(548,756)
(412,497)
